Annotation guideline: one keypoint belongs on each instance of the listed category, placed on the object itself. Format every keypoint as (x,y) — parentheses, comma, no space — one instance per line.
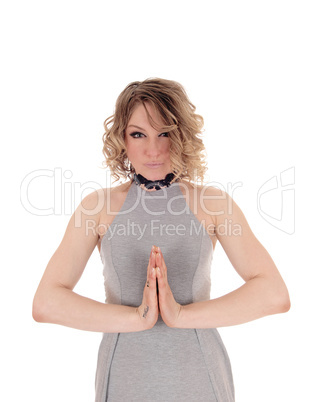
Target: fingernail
(153,270)
(158,249)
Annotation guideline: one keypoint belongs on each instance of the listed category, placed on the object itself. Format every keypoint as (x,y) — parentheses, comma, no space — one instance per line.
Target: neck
(153,185)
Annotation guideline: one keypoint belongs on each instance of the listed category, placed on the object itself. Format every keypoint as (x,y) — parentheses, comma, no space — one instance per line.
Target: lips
(153,165)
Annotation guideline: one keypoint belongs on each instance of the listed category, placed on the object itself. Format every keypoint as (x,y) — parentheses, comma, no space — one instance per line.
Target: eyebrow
(132,125)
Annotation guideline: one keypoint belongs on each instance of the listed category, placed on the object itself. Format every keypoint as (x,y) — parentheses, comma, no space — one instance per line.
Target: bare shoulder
(94,200)
(202,202)
(119,190)
(201,189)
(211,200)
(113,199)
(217,202)
(98,201)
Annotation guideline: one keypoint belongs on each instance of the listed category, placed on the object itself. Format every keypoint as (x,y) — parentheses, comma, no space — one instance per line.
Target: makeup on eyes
(137,134)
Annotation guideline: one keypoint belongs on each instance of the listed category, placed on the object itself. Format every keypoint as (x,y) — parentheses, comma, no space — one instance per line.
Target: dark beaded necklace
(155,184)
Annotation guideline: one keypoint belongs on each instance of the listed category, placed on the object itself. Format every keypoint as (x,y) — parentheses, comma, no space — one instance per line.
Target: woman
(156,234)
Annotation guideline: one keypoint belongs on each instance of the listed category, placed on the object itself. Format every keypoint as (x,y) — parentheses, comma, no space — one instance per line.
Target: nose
(153,148)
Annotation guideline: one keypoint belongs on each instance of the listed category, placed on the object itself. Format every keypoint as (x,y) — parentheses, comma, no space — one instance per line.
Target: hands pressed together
(157,295)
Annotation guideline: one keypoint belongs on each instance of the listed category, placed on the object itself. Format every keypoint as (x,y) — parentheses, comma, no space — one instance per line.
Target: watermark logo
(158,227)
(276,201)
(66,194)
(275,198)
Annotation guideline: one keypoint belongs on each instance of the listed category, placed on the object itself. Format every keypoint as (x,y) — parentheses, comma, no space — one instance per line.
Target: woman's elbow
(281,302)
(39,308)
(37,311)
(285,304)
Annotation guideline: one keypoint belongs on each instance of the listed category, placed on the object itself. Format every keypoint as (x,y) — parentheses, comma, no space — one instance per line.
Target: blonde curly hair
(184,126)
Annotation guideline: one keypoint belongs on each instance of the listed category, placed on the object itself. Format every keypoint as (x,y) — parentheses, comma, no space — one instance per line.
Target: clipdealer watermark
(155,227)
(66,195)
(275,199)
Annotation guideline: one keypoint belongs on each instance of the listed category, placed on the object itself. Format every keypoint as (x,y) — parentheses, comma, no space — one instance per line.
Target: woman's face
(147,149)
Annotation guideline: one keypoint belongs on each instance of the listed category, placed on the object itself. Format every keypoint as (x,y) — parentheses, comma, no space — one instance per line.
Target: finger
(161,264)
(151,263)
(151,290)
(152,280)
(151,275)
(155,250)
(159,276)
(161,279)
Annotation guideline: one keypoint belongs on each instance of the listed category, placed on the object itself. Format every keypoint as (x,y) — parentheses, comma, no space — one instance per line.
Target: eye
(136,135)
(163,135)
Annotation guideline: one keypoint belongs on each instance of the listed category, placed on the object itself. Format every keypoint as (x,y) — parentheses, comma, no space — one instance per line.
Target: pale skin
(263,292)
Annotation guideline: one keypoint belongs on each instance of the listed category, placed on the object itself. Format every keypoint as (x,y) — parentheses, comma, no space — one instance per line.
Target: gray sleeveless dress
(160,364)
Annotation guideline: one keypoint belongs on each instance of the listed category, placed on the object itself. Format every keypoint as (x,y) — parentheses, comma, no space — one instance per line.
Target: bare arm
(253,300)
(56,302)
(263,293)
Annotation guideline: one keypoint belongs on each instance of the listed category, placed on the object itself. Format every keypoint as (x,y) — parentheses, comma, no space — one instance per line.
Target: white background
(249,67)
